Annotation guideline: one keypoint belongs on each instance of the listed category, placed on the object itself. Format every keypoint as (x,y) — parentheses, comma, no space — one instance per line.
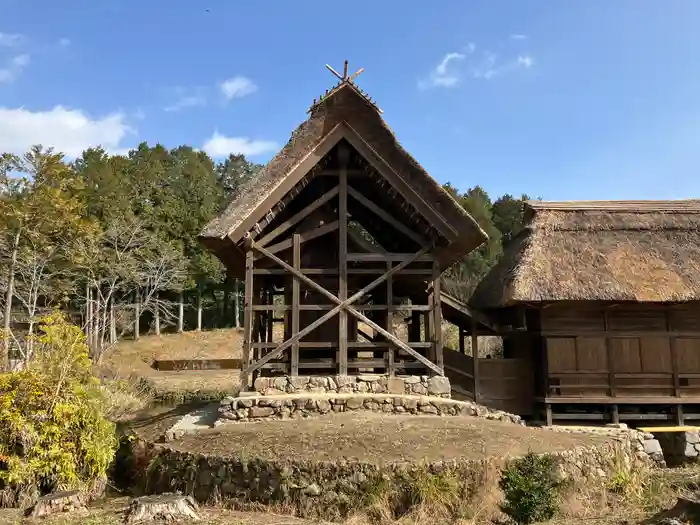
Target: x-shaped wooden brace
(340,305)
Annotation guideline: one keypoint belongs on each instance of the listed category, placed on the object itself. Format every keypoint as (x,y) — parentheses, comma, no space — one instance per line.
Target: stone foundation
(643,444)
(296,406)
(438,386)
(679,448)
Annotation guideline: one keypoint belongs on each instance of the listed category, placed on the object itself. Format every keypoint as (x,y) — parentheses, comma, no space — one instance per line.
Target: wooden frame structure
(338,233)
(601,298)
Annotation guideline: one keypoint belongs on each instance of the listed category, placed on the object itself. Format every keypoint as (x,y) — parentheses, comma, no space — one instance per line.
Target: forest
(112,241)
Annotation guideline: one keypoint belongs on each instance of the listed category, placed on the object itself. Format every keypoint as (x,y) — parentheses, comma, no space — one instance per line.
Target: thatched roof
(645,251)
(347,108)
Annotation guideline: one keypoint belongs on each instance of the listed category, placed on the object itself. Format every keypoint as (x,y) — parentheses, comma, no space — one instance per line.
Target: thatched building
(604,298)
(341,229)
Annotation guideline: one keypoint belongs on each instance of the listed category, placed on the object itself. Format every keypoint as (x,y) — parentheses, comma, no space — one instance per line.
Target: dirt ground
(378,438)
(135,359)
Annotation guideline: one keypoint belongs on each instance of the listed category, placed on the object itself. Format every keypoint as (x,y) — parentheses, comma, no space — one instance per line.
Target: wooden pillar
(296,285)
(609,352)
(674,356)
(437,317)
(475,361)
(270,299)
(343,156)
(391,369)
(247,316)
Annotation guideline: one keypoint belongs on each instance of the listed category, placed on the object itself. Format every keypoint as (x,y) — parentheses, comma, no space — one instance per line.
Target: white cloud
(21,60)
(64,42)
(10,39)
(70,131)
(219,145)
(237,87)
(443,75)
(491,65)
(518,36)
(12,69)
(187,99)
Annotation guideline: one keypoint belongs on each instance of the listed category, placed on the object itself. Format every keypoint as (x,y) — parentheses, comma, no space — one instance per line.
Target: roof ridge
(337,87)
(630,206)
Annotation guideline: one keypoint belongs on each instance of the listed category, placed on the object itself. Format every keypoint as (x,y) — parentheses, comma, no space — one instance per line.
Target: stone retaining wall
(330,490)
(261,408)
(438,386)
(642,444)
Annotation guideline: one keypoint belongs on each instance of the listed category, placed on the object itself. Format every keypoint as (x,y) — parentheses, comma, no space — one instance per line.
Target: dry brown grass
(134,359)
(379,438)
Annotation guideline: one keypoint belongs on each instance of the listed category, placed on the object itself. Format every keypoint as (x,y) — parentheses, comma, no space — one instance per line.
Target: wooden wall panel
(626,355)
(639,318)
(685,318)
(656,355)
(591,354)
(561,354)
(577,318)
(688,355)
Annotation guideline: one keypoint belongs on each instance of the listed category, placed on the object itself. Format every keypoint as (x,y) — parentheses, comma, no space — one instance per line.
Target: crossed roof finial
(344,77)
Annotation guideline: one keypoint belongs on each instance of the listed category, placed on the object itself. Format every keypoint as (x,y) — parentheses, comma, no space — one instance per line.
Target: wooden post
(437,316)
(137,314)
(343,156)
(475,361)
(391,369)
(609,353)
(296,297)
(181,313)
(247,317)
(674,356)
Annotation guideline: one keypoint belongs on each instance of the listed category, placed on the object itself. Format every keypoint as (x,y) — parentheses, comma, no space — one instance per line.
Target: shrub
(531,488)
(53,432)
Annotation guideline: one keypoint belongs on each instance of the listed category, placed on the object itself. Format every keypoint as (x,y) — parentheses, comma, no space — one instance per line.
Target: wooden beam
(437,315)
(298,217)
(397,182)
(340,305)
(307,235)
(296,294)
(608,353)
(247,317)
(467,310)
(293,176)
(384,257)
(389,320)
(343,304)
(343,156)
(475,362)
(379,212)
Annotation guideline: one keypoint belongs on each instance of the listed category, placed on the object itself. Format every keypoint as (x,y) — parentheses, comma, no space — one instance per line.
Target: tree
(508,215)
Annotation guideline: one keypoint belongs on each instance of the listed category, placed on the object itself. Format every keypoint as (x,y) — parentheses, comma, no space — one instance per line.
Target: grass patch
(132,361)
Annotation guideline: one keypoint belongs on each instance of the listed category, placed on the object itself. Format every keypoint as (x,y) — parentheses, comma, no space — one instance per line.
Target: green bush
(53,432)
(531,488)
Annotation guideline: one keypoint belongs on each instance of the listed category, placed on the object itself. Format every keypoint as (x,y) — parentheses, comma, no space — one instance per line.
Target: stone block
(652,446)
(438,385)
(246,402)
(692,437)
(298,383)
(395,385)
(257,412)
(690,451)
(428,409)
(354,403)
(323,406)
(261,383)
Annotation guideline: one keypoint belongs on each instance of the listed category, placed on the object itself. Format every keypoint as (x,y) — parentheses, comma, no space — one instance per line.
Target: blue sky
(594,99)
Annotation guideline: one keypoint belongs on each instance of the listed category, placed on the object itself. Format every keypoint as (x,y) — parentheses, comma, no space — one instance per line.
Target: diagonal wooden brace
(339,306)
